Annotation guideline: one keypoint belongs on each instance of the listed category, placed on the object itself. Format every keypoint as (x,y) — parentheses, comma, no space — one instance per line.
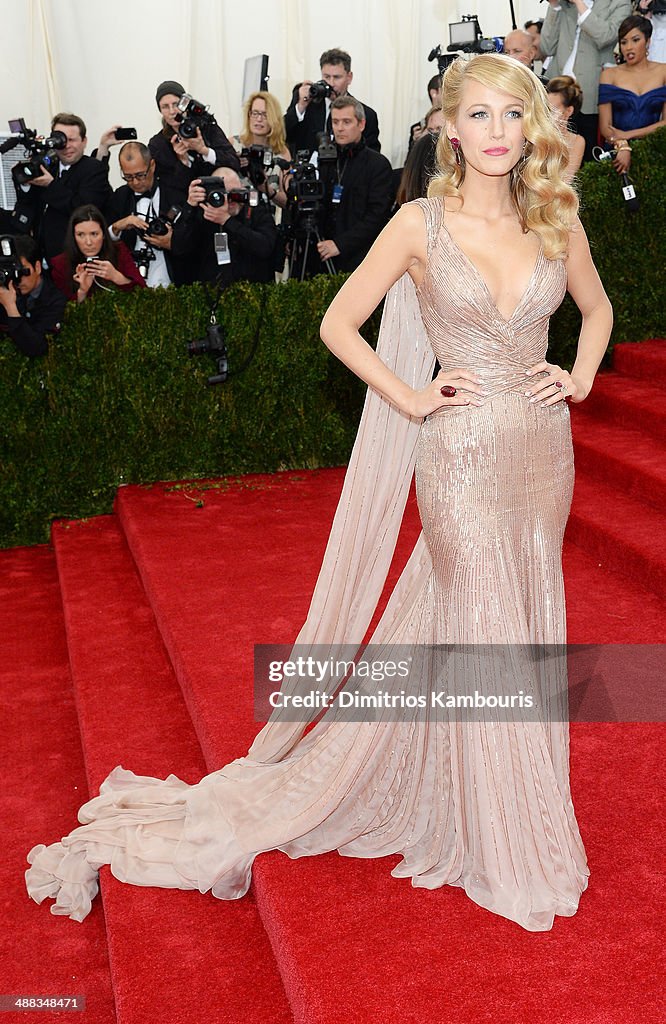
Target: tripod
(308,230)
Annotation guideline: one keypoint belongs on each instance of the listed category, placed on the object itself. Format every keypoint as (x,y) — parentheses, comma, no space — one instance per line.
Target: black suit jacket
(303,134)
(355,222)
(175,175)
(252,237)
(38,318)
(123,203)
(46,211)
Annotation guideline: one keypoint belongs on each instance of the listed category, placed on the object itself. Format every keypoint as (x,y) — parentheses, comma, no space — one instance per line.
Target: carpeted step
(605,606)
(44,783)
(178,956)
(626,402)
(644,359)
(234,565)
(626,459)
(624,535)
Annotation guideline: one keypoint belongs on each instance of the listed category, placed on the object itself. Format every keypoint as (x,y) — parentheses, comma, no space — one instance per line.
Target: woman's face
(633,46)
(489,125)
(259,118)
(89,237)
(169,110)
(562,113)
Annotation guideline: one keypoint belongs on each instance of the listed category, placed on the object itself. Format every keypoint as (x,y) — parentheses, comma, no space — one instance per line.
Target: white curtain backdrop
(102,59)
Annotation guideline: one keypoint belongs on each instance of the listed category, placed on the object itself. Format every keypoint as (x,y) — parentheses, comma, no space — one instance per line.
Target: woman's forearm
(592,344)
(637,133)
(346,343)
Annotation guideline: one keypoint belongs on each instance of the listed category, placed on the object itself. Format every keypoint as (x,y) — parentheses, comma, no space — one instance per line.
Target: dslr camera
(192,115)
(320,91)
(217,194)
(42,151)
(256,162)
(11,268)
(159,226)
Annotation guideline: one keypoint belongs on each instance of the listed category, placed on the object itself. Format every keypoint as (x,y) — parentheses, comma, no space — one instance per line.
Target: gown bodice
(630,110)
(465,327)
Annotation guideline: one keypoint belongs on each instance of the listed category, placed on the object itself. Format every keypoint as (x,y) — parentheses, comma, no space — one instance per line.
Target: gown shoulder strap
(433,211)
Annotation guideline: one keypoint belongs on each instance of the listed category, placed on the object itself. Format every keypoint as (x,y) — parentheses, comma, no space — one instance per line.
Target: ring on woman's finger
(560,385)
(448,391)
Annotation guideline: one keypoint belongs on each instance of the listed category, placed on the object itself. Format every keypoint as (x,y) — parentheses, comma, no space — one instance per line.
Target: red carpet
(230,564)
(44,783)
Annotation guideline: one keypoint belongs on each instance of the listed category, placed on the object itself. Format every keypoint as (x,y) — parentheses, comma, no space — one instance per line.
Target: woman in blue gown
(632,96)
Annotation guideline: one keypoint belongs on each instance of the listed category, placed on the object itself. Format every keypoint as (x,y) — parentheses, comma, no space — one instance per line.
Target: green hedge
(118,400)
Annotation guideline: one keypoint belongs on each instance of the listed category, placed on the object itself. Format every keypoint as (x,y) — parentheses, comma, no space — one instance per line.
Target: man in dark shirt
(247,250)
(45,206)
(360,192)
(33,308)
(306,118)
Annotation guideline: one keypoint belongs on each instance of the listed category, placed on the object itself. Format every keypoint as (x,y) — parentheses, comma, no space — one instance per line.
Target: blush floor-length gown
(484,805)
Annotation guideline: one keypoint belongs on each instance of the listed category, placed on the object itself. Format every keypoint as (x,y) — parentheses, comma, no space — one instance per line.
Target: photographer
(138,203)
(179,160)
(32,308)
(360,192)
(308,116)
(226,240)
(263,132)
(44,207)
(90,261)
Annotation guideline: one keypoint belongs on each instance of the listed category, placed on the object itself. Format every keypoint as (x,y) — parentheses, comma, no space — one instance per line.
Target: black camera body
(217,194)
(192,115)
(159,226)
(42,150)
(319,91)
(256,162)
(11,268)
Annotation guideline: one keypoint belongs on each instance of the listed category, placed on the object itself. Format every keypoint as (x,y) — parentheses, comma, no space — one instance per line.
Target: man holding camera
(32,308)
(222,234)
(359,190)
(45,206)
(581,35)
(309,113)
(182,157)
(141,202)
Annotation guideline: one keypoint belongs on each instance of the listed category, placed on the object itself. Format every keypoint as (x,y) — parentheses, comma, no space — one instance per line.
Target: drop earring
(455,146)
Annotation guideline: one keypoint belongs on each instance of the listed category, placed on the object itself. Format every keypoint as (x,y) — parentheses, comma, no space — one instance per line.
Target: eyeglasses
(258,114)
(139,176)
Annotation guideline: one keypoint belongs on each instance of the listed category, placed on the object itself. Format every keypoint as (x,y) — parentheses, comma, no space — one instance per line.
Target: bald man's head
(520,45)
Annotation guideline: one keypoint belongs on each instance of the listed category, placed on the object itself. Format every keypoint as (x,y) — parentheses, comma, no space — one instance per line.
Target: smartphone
(125,134)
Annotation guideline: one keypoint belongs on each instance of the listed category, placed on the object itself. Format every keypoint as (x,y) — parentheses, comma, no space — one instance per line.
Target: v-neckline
(482,280)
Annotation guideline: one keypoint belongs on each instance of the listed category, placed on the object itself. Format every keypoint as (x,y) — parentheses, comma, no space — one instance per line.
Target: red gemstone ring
(559,384)
(448,391)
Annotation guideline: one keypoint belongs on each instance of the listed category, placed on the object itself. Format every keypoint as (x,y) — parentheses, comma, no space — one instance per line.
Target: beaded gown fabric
(482,804)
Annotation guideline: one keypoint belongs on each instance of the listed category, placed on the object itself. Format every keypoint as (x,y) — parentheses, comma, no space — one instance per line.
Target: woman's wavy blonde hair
(545,203)
(276,140)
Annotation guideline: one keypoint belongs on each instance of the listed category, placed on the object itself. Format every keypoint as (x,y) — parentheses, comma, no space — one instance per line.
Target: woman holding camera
(91,261)
(632,96)
(179,160)
(263,126)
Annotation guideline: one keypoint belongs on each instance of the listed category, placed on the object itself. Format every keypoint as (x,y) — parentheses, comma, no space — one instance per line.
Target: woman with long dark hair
(91,262)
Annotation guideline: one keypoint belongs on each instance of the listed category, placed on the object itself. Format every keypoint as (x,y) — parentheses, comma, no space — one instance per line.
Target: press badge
(222,248)
(337,193)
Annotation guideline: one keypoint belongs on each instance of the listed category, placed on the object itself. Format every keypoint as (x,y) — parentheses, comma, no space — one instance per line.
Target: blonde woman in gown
(484,805)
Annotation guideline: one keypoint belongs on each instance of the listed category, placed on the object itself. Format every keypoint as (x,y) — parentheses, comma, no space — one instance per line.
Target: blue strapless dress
(630,110)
